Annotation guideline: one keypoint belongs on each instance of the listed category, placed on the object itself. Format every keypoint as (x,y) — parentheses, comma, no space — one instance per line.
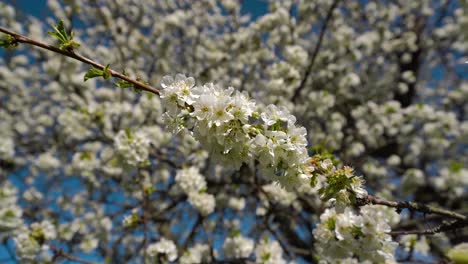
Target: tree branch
(58,252)
(412,206)
(308,70)
(446,226)
(18,38)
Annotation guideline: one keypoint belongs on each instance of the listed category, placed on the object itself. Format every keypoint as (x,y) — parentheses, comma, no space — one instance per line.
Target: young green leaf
(95,72)
(8,42)
(124,84)
(107,73)
(62,36)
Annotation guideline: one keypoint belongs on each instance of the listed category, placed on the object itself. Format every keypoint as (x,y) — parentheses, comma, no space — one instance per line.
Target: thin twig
(412,206)
(308,70)
(444,227)
(18,38)
(58,252)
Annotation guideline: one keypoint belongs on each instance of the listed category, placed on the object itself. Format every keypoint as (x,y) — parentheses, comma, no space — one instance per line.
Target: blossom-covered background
(93,172)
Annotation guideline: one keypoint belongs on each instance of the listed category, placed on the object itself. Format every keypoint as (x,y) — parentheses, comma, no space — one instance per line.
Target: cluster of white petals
(200,253)
(229,125)
(269,252)
(388,100)
(361,236)
(10,212)
(133,147)
(193,184)
(238,246)
(163,247)
(30,241)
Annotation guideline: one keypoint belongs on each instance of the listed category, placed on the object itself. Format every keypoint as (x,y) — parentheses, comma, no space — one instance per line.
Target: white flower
(7,194)
(190,180)
(363,236)
(133,147)
(7,148)
(233,133)
(10,217)
(238,247)
(241,107)
(203,107)
(132,219)
(200,253)
(164,247)
(278,194)
(326,164)
(394,160)
(237,204)
(205,203)
(75,124)
(273,114)
(269,253)
(44,230)
(26,247)
(89,243)
(46,161)
(176,92)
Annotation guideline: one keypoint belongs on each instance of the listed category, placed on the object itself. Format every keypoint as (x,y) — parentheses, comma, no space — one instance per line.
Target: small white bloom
(164,247)
(205,203)
(238,247)
(190,180)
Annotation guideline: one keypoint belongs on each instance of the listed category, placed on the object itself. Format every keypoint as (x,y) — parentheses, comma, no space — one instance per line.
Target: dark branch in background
(412,206)
(444,227)
(58,252)
(460,222)
(18,38)
(308,70)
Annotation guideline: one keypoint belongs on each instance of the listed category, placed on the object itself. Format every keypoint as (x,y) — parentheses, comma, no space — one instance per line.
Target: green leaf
(95,72)
(235,233)
(455,166)
(62,36)
(266,257)
(330,223)
(145,163)
(85,156)
(107,73)
(60,32)
(124,84)
(459,253)
(149,190)
(150,95)
(128,131)
(8,42)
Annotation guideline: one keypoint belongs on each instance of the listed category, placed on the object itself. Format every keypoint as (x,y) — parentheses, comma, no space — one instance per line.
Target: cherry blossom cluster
(371,96)
(269,252)
(30,241)
(199,253)
(164,248)
(10,212)
(350,237)
(235,131)
(238,246)
(193,184)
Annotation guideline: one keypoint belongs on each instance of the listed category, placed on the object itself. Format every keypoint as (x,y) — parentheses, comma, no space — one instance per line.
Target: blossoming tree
(189,132)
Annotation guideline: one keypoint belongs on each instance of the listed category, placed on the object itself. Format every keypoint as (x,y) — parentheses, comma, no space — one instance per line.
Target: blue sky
(38,8)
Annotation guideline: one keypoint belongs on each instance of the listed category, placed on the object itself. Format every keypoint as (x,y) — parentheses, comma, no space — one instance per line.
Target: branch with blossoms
(12,39)
(237,131)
